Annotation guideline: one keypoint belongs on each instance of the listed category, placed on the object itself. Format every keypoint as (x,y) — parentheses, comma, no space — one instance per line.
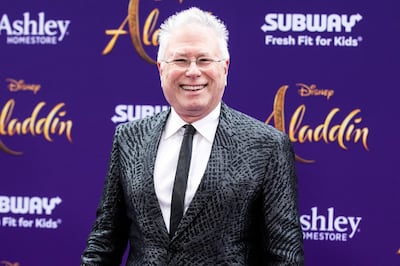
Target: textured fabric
(167,158)
(243,213)
(182,172)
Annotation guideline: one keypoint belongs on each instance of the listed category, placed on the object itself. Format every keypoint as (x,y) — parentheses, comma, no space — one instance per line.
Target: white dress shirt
(167,157)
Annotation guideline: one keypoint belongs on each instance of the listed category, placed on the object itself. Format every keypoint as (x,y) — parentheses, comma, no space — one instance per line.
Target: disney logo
(312,90)
(20,85)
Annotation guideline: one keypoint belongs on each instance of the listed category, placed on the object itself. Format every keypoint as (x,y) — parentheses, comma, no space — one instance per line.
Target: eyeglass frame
(187,62)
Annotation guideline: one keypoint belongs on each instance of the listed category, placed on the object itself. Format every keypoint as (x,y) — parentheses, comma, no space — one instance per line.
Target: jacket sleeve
(284,238)
(109,235)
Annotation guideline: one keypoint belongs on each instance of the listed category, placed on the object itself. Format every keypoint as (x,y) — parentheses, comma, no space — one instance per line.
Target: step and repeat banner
(326,73)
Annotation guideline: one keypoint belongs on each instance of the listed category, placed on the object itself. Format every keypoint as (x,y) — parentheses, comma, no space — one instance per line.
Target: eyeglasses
(184,63)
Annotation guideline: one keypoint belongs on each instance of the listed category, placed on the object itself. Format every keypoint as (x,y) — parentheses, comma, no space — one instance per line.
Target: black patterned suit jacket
(243,213)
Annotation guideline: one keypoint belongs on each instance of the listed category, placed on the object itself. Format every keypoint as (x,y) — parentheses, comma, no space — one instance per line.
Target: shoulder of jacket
(245,124)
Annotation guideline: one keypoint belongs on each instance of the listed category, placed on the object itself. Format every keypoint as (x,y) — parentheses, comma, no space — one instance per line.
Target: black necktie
(182,171)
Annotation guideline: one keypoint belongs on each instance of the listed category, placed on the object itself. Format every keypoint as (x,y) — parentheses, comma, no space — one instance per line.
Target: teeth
(192,88)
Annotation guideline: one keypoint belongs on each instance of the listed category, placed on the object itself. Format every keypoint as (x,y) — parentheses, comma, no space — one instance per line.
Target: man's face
(193,90)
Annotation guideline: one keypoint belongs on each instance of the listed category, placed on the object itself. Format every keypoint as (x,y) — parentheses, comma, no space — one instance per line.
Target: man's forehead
(183,52)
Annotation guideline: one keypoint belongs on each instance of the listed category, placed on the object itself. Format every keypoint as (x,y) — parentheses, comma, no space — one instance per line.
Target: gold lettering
(148,28)
(344,132)
(19,85)
(312,90)
(5,115)
(341,133)
(294,127)
(7,150)
(133,21)
(49,125)
(115,33)
(7,263)
(279,116)
(150,33)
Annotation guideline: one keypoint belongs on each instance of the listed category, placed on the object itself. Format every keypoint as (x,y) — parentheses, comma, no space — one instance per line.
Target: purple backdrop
(325,73)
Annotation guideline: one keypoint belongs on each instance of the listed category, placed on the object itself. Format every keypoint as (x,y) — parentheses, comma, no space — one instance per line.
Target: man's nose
(193,68)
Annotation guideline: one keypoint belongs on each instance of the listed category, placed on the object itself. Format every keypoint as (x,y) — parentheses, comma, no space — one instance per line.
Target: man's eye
(180,61)
(204,60)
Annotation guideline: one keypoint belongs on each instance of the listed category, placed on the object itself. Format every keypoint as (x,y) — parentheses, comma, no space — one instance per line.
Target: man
(240,202)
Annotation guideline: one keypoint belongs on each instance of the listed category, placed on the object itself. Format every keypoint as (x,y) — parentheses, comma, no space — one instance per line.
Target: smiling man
(200,183)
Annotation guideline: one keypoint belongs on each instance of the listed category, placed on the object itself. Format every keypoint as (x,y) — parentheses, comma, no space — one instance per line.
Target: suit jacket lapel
(151,207)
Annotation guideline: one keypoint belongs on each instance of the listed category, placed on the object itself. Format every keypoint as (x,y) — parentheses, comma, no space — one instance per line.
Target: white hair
(197,16)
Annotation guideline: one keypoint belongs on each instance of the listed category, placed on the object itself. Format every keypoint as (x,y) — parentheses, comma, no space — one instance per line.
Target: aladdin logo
(328,227)
(149,32)
(349,129)
(39,122)
(124,113)
(310,22)
(33,30)
(28,205)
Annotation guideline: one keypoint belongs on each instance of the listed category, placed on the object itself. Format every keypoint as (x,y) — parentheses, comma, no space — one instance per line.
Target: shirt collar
(206,126)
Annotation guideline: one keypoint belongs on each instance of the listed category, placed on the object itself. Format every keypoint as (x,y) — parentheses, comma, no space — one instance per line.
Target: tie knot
(189,129)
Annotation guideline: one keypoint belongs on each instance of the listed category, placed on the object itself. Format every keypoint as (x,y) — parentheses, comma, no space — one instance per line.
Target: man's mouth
(192,87)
